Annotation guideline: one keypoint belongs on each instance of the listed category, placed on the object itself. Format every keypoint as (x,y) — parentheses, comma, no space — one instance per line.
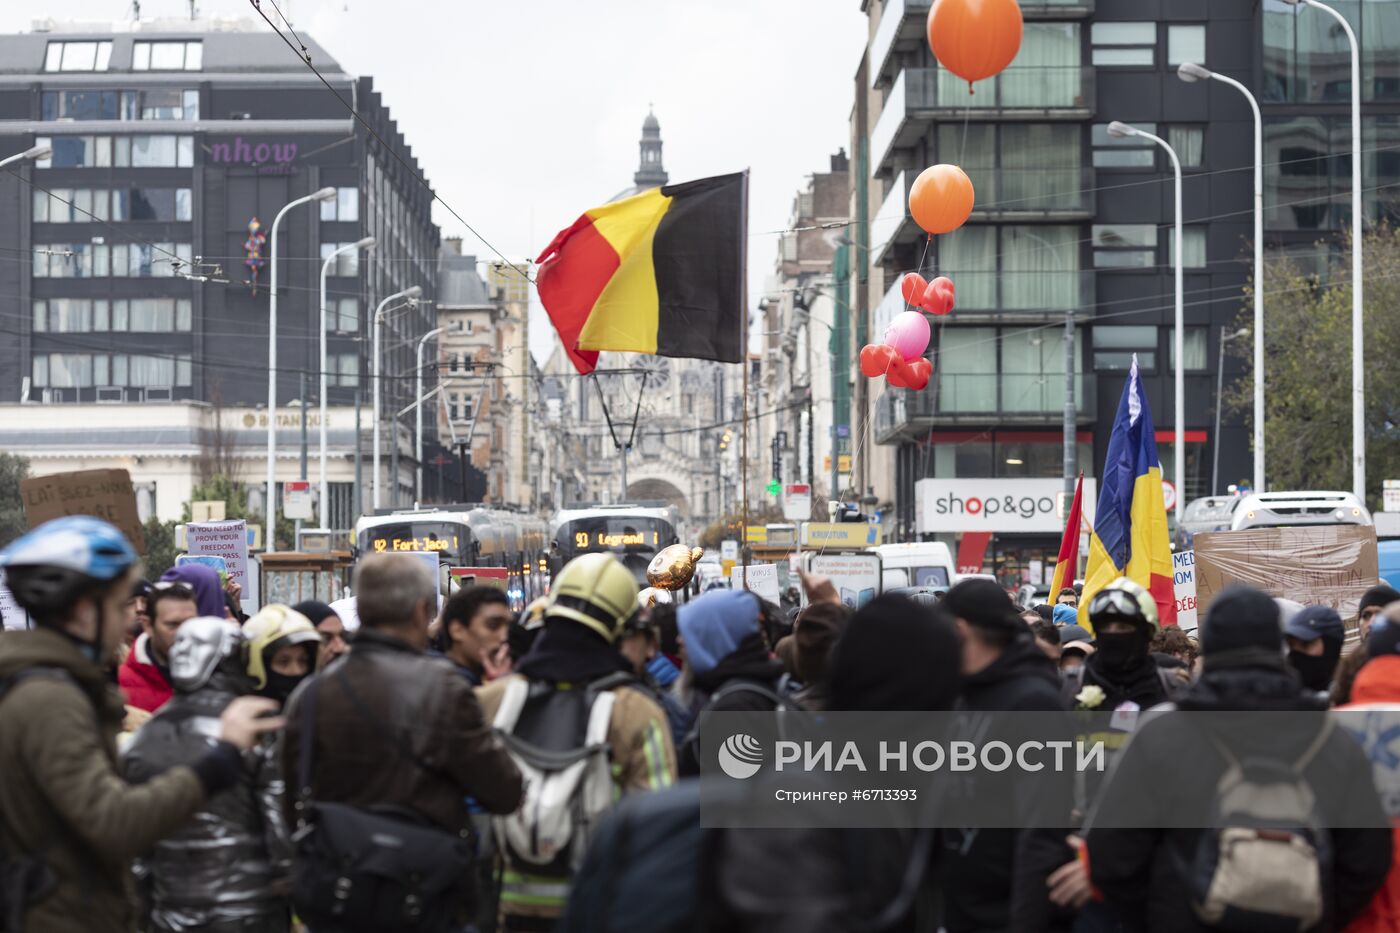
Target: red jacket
(1377,686)
(141,680)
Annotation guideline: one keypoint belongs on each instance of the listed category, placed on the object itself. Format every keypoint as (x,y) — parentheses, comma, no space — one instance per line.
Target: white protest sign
(229,540)
(1184,584)
(856,577)
(763,581)
(13,617)
(348,612)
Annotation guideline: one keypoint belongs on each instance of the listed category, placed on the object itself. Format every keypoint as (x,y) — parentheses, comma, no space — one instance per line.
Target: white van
(917,563)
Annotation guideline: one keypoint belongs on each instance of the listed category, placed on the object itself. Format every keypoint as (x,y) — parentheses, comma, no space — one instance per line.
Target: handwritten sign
(229,540)
(104,494)
(1184,587)
(763,581)
(1324,565)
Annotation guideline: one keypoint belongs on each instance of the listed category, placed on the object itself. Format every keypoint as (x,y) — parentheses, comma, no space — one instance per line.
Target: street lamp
(1121,130)
(1219,390)
(418,416)
(412,295)
(366,243)
(1191,73)
(325,194)
(34,153)
(1358,375)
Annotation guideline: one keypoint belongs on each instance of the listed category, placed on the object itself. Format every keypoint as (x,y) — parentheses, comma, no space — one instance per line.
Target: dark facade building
(1070,221)
(131,280)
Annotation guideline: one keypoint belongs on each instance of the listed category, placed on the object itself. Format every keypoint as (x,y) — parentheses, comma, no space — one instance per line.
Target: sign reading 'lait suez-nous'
(1008,505)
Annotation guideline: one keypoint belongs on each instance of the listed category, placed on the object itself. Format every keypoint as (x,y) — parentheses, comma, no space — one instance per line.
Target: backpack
(689,748)
(1262,867)
(566,791)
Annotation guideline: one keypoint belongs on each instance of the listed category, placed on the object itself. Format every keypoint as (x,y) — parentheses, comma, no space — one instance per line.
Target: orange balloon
(974,39)
(940,199)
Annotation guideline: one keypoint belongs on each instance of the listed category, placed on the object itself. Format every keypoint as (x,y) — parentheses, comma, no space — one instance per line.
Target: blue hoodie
(712,626)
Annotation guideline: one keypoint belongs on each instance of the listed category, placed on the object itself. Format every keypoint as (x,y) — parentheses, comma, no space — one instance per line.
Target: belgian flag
(659,272)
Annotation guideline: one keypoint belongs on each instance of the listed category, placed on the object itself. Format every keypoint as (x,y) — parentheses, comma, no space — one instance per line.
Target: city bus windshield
(450,540)
(615,533)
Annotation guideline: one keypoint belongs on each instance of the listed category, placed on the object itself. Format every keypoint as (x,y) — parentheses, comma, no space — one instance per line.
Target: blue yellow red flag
(1130,537)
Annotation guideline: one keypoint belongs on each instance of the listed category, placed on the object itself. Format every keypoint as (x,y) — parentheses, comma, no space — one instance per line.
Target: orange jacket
(1378,686)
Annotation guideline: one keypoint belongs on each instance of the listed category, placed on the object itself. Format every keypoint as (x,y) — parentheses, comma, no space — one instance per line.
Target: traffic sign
(797,502)
(729,549)
(296,499)
(1169,494)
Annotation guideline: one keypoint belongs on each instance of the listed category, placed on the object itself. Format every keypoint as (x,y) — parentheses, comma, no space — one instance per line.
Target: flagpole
(744,405)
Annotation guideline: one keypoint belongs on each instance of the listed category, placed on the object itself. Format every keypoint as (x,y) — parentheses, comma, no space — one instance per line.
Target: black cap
(1382,594)
(1242,628)
(985,605)
(1384,637)
(1314,622)
(1069,633)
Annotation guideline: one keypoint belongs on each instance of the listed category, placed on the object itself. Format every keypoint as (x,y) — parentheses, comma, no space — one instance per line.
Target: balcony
(1056,9)
(920,96)
(1005,296)
(1008,195)
(903,27)
(1031,399)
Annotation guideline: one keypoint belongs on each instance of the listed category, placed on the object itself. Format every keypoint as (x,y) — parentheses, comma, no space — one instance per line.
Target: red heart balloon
(913,288)
(875,359)
(937,297)
(913,374)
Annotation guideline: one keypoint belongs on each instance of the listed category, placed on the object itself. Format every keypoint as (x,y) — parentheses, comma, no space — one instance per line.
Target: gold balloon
(651,596)
(672,567)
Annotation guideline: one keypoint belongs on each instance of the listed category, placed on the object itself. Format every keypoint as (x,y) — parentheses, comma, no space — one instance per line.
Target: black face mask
(1121,651)
(280,686)
(1314,670)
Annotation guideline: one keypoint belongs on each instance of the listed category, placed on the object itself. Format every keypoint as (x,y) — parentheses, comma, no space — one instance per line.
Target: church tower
(650,172)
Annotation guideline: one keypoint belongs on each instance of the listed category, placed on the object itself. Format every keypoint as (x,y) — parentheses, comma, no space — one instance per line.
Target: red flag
(1067,564)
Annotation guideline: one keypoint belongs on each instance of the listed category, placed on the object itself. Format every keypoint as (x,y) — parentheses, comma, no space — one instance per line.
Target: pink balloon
(909,334)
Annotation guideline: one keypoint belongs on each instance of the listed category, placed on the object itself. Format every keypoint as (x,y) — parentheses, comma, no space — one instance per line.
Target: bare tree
(216,457)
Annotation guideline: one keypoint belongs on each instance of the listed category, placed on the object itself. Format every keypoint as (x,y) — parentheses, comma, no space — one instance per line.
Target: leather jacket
(230,860)
(396,727)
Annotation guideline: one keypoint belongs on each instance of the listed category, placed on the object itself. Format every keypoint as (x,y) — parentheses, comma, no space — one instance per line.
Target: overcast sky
(524,114)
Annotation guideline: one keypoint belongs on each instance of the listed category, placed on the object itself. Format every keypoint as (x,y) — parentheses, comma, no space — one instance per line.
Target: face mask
(280,686)
(1314,670)
(1121,650)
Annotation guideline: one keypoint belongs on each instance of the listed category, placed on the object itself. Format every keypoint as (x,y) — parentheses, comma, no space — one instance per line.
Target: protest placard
(1327,565)
(763,581)
(229,540)
(104,494)
(1184,588)
(12,617)
(856,577)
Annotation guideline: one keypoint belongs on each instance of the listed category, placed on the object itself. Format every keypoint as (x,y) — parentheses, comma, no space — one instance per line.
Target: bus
(464,536)
(632,532)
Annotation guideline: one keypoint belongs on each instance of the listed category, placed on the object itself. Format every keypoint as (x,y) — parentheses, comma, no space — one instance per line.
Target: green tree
(235,499)
(1307,368)
(160,547)
(13,469)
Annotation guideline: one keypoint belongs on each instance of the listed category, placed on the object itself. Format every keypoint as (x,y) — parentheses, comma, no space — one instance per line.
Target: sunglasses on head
(174,588)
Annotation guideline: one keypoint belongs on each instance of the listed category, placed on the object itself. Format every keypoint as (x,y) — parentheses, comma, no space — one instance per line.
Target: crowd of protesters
(170,764)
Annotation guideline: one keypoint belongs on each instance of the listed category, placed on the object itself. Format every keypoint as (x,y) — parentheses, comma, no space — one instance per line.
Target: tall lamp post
(1179,459)
(270,505)
(412,295)
(1358,375)
(1191,73)
(34,153)
(366,243)
(418,416)
(1219,391)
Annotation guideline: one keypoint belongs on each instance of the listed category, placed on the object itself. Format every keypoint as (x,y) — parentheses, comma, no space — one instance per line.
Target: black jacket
(749,663)
(994,879)
(1172,767)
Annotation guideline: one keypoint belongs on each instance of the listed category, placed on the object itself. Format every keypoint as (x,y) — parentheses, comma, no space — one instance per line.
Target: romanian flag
(1130,533)
(1067,564)
(660,272)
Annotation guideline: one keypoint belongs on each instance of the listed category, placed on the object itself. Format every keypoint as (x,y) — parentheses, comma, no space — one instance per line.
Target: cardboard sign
(1184,587)
(763,581)
(855,576)
(229,540)
(104,494)
(1326,565)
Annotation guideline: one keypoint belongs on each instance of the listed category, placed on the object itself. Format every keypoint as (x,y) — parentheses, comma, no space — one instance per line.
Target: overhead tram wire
(305,56)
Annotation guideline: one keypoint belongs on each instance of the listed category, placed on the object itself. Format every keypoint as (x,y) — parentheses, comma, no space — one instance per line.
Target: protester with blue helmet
(69,824)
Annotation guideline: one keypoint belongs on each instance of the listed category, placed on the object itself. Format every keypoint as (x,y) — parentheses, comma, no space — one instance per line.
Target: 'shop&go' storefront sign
(1007,505)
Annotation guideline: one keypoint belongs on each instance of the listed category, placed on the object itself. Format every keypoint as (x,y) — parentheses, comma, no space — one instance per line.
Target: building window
(1124,152)
(141,315)
(1125,246)
(1014,267)
(1194,348)
(138,151)
(1186,44)
(469,326)
(345,205)
(151,315)
(467,405)
(1189,143)
(83,105)
(167,56)
(1114,347)
(85,370)
(77,56)
(169,104)
(343,315)
(346,264)
(99,260)
(343,370)
(1193,247)
(84,205)
(1124,43)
